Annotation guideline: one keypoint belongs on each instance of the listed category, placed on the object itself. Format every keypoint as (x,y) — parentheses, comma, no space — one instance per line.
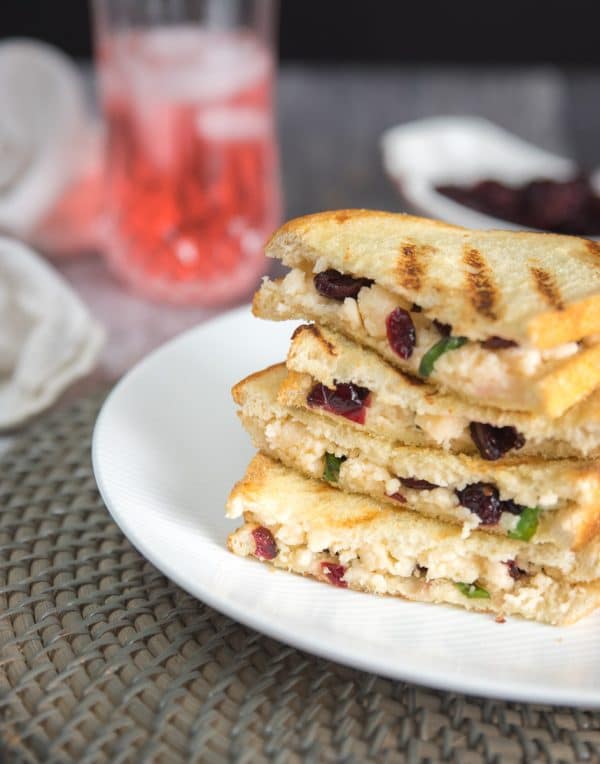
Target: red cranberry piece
(444,329)
(514,571)
(401,332)
(457,194)
(418,485)
(550,205)
(334,573)
(509,505)
(265,546)
(561,206)
(498,343)
(398,496)
(338,286)
(494,442)
(483,500)
(346,399)
(489,196)
(501,200)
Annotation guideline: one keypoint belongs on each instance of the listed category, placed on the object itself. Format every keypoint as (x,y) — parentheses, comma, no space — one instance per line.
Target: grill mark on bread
(480,284)
(341,217)
(314,330)
(411,264)
(593,247)
(547,287)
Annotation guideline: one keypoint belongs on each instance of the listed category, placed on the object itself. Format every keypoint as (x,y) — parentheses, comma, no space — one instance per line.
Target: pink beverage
(193,181)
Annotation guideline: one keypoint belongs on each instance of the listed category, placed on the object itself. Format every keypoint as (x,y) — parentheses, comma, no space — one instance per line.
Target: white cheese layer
(478,372)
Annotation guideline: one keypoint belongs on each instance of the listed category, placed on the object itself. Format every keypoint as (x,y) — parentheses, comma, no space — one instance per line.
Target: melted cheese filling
(303,552)
(479,372)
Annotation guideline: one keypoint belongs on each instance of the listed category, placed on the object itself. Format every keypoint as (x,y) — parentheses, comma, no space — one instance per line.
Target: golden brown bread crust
(570,382)
(590,527)
(543,289)
(361,509)
(239,390)
(327,348)
(343,216)
(550,328)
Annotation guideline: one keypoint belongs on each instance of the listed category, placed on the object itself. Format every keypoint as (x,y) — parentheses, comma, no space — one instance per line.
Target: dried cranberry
(493,442)
(483,500)
(513,569)
(398,496)
(265,546)
(444,329)
(401,332)
(551,205)
(418,485)
(503,199)
(509,505)
(489,196)
(346,399)
(334,573)
(338,286)
(498,343)
(570,206)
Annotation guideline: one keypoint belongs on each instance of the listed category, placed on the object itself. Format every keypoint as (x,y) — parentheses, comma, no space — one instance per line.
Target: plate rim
(450,681)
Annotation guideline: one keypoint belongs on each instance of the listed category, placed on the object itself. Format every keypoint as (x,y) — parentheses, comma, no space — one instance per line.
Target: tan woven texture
(102,659)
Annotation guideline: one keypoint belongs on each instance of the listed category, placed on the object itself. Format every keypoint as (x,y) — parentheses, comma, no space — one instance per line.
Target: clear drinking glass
(191,155)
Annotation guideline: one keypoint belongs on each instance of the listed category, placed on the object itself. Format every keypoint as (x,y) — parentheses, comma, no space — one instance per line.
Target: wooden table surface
(330,122)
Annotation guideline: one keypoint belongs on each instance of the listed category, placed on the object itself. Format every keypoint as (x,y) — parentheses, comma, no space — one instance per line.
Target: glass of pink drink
(192,177)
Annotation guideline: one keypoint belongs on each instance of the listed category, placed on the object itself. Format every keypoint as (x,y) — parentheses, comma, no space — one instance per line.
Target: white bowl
(461,151)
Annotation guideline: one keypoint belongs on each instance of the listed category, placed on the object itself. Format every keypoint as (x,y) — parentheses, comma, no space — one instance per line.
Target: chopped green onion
(527,525)
(441,347)
(332,467)
(472,591)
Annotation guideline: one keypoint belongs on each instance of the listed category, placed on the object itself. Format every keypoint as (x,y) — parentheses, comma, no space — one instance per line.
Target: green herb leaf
(527,525)
(472,591)
(441,347)
(333,463)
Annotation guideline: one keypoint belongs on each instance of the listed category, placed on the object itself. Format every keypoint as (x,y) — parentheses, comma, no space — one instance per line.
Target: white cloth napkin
(44,128)
(48,339)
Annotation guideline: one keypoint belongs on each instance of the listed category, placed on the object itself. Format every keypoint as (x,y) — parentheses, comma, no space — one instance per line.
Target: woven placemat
(102,659)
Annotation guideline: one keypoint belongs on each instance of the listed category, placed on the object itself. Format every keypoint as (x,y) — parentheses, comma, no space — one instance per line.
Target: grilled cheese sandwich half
(509,318)
(351,541)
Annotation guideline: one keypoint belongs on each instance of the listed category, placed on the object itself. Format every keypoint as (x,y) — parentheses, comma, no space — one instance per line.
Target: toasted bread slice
(547,382)
(416,413)
(565,493)
(351,541)
(542,290)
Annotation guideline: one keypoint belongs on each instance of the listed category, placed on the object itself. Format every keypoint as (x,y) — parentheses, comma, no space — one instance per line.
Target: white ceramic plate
(168,447)
(421,155)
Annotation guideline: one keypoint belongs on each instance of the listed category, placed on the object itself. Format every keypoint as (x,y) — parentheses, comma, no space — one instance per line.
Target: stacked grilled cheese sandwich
(435,431)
